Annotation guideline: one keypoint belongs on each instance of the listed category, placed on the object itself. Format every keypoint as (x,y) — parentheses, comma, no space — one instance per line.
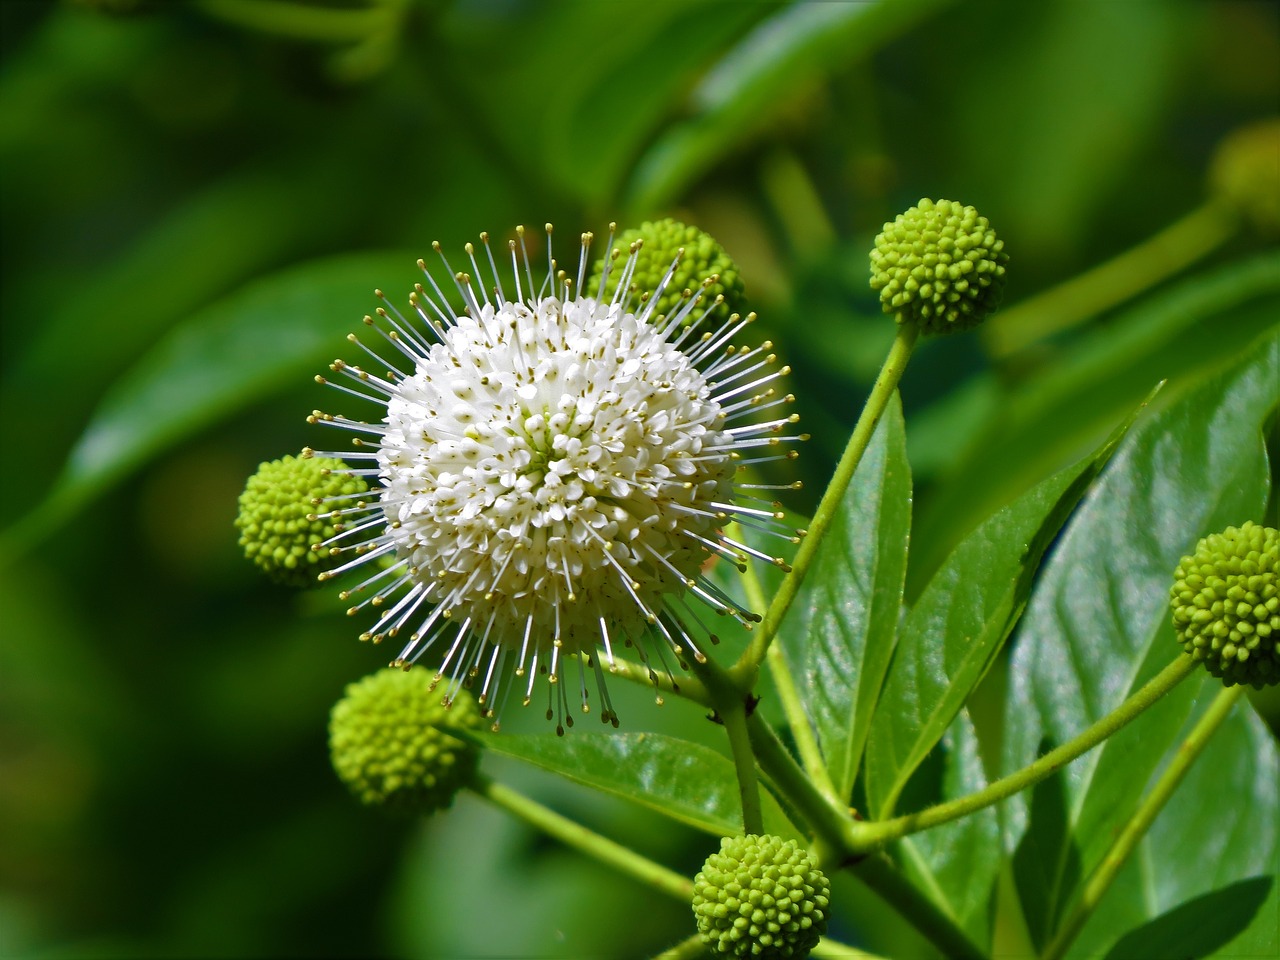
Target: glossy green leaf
(683,780)
(241,349)
(1224,820)
(840,634)
(961,621)
(791,49)
(1192,326)
(959,862)
(1097,628)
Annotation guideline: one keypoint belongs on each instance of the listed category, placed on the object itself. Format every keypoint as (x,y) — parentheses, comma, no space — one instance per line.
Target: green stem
(828,819)
(788,695)
(815,764)
(871,836)
(585,840)
(729,694)
(882,876)
(835,830)
(1086,295)
(297,21)
(688,949)
(829,949)
(691,688)
(886,383)
(1141,821)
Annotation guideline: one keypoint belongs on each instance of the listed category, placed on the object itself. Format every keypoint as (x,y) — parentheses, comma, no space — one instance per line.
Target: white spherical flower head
(555,470)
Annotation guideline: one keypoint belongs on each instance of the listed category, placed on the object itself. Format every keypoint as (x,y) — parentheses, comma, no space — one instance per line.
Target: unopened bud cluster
(387,748)
(1226,604)
(760,896)
(277,519)
(1245,174)
(939,265)
(703,258)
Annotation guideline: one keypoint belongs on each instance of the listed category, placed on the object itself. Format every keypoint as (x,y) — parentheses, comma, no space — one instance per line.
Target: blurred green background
(197,204)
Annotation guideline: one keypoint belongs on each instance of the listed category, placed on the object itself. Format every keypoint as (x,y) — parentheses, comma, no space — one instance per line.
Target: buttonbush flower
(555,467)
(1226,604)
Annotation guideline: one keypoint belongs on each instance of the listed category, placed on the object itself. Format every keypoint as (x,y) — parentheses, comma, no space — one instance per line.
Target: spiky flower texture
(555,468)
(704,266)
(1226,604)
(760,896)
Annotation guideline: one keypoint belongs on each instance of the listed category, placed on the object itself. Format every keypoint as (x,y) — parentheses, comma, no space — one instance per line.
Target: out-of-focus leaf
(785,53)
(680,779)
(840,634)
(1097,628)
(534,884)
(942,432)
(213,242)
(1080,92)
(959,861)
(569,104)
(960,623)
(1193,326)
(221,360)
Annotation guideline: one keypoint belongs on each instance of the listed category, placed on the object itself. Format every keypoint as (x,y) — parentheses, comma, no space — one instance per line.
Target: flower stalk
(1100,880)
(869,836)
(729,694)
(1110,284)
(584,840)
(882,390)
(882,876)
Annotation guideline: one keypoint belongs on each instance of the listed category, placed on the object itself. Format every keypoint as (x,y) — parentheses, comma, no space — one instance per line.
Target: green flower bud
(1245,173)
(386,749)
(278,522)
(939,265)
(760,896)
(703,258)
(1226,604)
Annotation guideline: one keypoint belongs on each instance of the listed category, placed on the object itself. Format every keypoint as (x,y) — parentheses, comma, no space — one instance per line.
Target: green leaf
(839,637)
(181,264)
(736,99)
(683,780)
(239,350)
(1098,627)
(958,862)
(1224,820)
(1195,325)
(961,621)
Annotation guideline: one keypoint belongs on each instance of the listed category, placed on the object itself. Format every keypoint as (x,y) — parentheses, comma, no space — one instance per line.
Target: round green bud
(278,519)
(387,749)
(760,896)
(1245,173)
(940,266)
(1226,604)
(703,258)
